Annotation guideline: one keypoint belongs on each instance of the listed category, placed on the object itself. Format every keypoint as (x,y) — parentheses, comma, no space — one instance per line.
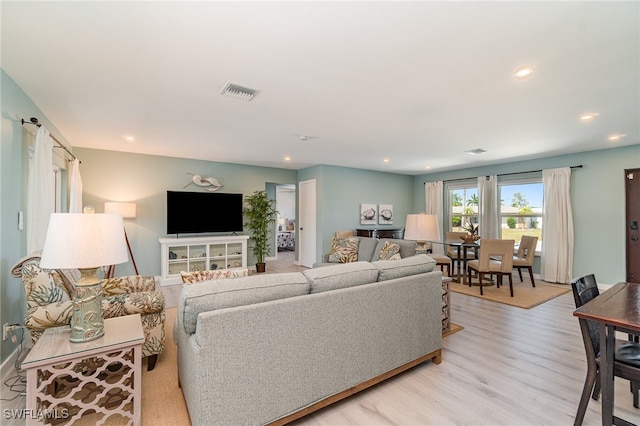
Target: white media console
(201,254)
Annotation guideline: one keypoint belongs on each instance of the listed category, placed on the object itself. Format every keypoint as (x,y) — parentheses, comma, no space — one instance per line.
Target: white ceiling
(417,83)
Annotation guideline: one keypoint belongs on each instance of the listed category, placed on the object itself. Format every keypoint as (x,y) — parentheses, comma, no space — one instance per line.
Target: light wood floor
(508,366)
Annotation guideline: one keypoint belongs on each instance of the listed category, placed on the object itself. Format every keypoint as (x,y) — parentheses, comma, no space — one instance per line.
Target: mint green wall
(14,161)
(341,190)
(144,179)
(598,203)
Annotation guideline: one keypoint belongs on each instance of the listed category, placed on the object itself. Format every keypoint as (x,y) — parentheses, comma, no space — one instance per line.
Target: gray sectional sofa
(274,347)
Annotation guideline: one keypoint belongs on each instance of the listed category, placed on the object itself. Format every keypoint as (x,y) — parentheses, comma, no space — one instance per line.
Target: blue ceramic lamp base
(86,321)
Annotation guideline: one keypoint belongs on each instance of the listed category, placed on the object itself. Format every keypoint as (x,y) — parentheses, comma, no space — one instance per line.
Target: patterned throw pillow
(390,251)
(344,250)
(197,276)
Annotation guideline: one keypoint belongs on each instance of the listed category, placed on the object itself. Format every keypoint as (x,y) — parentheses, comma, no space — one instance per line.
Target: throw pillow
(390,251)
(197,276)
(344,250)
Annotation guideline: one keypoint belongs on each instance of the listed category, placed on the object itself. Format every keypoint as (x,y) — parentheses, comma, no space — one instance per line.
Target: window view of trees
(464,208)
(520,209)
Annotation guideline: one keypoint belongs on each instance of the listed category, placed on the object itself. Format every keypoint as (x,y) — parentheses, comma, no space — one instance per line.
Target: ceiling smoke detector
(476,151)
(238,92)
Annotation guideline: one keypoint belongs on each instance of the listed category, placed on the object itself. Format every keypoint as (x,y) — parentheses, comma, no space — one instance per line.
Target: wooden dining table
(616,309)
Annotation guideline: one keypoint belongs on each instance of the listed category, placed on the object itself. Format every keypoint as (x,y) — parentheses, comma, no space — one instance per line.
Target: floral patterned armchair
(49,294)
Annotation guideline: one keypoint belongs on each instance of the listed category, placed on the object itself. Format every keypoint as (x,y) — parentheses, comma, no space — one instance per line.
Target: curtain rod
(579,166)
(35,122)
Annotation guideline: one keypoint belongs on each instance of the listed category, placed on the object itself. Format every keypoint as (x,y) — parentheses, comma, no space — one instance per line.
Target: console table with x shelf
(67,380)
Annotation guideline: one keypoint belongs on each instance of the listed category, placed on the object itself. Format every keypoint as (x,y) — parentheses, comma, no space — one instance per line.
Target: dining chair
(442,261)
(496,258)
(525,256)
(345,234)
(452,251)
(626,356)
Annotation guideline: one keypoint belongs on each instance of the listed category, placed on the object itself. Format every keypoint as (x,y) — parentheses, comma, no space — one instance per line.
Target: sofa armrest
(144,302)
(59,313)
(128,284)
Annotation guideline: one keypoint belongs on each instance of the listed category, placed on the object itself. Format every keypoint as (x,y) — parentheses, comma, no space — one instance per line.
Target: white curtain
(489,222)
(40,191)
(433,205)
(557,229)
(75,188)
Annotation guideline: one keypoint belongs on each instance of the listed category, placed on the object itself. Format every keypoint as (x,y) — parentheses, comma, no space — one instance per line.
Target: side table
(68,380)
(446,306)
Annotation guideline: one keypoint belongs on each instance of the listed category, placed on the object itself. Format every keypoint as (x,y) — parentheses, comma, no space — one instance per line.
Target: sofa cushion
(389,251)
(344,250)
(367,249)
(407,248)
(391,269)
(333,277)
(231,292)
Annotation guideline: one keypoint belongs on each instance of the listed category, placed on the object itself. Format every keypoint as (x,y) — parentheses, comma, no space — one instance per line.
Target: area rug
(524,295)
(162,400)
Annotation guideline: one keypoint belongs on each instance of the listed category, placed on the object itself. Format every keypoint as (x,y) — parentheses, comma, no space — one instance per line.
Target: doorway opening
(286,240)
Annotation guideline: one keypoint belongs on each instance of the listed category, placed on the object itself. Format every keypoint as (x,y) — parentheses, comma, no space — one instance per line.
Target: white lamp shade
(421,227)
(126,210)
(78,240)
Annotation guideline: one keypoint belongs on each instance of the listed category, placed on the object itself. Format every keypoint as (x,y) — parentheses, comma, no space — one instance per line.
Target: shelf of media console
(200,254)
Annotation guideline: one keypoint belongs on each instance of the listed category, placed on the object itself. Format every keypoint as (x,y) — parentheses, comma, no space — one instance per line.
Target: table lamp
(86,242)
(127,211)
(421,228)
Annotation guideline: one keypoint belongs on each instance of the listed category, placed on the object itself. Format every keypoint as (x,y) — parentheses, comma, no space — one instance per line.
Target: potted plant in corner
(260,217)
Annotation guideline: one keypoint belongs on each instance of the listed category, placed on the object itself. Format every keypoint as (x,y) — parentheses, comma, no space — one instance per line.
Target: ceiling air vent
(476,151)
(238,92)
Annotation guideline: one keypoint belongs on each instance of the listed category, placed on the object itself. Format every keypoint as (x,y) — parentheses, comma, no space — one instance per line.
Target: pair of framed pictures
(371,214)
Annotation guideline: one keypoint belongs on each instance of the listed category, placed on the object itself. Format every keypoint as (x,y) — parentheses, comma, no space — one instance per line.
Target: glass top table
(462,252)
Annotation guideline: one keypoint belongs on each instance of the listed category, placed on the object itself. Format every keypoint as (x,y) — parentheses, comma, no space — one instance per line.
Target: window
(521,209)
(462,205)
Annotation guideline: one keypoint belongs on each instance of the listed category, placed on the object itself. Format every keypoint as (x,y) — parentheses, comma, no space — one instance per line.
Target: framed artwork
(385,214)
(368,214)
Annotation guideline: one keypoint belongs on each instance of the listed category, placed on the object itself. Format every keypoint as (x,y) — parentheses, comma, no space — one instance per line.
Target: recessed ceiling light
(287,158)
(616,137)
(476,151)
(129,138)
(386,160)
(427,166)
(523,72)
(589,116)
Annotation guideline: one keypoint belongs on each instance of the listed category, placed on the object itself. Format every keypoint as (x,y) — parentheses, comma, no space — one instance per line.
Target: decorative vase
(470,239)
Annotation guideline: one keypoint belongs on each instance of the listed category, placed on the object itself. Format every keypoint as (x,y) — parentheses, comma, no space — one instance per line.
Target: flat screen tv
(201,212)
